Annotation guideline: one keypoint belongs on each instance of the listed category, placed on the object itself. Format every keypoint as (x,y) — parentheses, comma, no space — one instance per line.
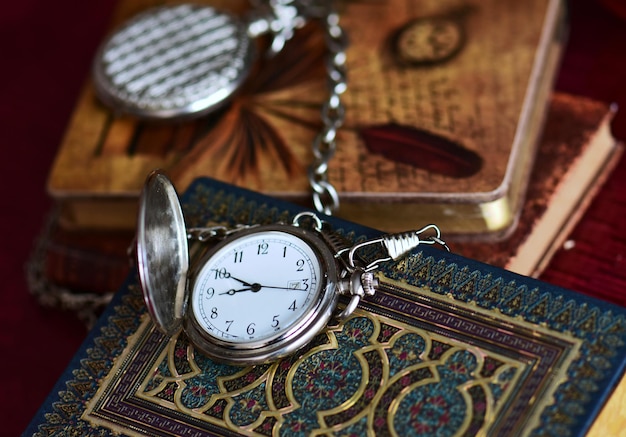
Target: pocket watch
(260,292)
(185,60)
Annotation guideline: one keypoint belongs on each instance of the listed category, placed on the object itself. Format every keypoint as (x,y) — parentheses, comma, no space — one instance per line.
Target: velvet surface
(46,49)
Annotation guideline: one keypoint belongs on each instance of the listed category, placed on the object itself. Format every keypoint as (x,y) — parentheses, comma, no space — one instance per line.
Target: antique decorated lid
(173,61)
(162,252)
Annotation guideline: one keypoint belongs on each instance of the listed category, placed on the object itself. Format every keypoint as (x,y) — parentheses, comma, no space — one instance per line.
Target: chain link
(280,18)
(325,196)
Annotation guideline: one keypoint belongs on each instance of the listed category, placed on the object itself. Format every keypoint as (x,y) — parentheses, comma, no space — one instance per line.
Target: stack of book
(448,139)
(473,141)
(462,130)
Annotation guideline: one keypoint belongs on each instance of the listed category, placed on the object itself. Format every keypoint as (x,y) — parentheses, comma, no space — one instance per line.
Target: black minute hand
(281,288)
(255,288)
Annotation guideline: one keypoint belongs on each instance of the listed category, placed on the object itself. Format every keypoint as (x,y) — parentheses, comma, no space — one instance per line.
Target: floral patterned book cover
(447,345)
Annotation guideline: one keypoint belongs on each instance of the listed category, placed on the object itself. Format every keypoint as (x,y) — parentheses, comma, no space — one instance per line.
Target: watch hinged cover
(162,252)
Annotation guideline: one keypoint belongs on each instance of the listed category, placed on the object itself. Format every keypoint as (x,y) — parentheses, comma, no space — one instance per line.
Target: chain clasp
(362,280)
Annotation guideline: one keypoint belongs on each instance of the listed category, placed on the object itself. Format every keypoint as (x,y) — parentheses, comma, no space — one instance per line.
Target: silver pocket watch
(185,60)
(259,293)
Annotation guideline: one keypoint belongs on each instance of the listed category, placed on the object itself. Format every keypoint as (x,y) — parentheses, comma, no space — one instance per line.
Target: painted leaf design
(240,136)
(421,149)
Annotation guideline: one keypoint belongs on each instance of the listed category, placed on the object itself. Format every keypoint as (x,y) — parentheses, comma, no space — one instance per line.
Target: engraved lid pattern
(173,61)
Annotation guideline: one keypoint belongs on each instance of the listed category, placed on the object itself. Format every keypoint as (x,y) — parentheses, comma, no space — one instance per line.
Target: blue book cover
(447,346)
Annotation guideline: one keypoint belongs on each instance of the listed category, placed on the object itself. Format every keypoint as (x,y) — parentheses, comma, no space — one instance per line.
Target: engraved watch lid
(162,252)
(173,61)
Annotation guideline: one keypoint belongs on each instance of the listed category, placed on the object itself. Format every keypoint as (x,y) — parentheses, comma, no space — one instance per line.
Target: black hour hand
(247,284)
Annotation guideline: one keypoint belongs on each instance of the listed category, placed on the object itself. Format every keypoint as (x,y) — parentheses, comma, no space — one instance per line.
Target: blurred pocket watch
(187,60)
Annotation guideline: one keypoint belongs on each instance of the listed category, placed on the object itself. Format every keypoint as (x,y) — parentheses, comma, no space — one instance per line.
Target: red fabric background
(45,51)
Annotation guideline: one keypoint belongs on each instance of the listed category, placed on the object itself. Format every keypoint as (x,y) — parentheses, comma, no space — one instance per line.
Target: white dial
(257,287)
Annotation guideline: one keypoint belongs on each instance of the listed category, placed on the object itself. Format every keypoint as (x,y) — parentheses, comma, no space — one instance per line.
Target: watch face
(260,290)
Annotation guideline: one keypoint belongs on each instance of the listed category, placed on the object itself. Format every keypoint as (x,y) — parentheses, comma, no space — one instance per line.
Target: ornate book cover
(444,106)
(447,344)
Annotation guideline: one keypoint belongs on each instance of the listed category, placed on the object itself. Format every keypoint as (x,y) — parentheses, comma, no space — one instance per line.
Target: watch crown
(358,285)
(369,283)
